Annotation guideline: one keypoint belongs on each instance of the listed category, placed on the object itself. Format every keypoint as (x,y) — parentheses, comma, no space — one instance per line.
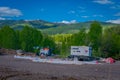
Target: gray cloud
(8,12)
(117,21)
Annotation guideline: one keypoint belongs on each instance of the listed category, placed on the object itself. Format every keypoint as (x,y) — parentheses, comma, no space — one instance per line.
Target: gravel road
(19,69)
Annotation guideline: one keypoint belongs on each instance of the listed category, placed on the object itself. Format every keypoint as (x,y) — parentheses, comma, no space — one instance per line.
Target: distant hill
(19,24)
(73,28)
(48,27)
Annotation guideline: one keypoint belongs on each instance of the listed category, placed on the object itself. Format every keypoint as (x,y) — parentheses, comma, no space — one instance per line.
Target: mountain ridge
(49,27)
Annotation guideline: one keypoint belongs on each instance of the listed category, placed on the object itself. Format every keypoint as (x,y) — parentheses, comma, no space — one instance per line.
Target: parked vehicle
(82,53)
(45,51)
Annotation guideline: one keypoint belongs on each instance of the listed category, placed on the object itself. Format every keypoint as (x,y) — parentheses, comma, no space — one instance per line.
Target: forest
(105,42)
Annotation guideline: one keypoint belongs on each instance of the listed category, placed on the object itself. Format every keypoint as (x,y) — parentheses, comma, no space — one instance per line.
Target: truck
(81,53)
(45,51)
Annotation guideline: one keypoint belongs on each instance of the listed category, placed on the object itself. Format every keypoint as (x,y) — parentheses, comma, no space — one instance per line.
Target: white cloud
(117,21)
(68,22)
(103,1)
(118,14)
(8,12)
(84,16)
(97,15)
(2,18)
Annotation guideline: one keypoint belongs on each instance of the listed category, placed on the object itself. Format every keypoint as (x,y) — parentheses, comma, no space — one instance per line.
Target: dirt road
(19,69)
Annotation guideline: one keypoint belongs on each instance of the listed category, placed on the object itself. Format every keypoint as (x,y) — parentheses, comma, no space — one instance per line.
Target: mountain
(19,24)
(50,28)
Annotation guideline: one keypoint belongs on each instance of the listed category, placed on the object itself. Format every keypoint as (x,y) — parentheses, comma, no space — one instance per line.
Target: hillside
(73,28)
(19,24)
(48,27)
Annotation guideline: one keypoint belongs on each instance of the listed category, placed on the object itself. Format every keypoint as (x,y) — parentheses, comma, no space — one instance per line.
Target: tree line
(25,39)
(104,43)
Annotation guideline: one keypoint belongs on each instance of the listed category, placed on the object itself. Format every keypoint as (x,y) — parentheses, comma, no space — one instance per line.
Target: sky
(66,11)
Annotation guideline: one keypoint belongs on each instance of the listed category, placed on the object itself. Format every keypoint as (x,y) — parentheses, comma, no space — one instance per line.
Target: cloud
(117,21)
(68,22)
(2,18)
(118,14)
(84,16)
(8,12)
(92,16)
(115,7)
(81,7)
(98,16)
(78,10)
(103,1)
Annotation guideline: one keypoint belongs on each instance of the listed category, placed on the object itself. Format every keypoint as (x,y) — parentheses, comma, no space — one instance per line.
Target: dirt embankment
(7,51)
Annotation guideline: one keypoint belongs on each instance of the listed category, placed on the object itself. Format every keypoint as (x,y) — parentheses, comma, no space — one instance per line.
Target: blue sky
(61,10)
